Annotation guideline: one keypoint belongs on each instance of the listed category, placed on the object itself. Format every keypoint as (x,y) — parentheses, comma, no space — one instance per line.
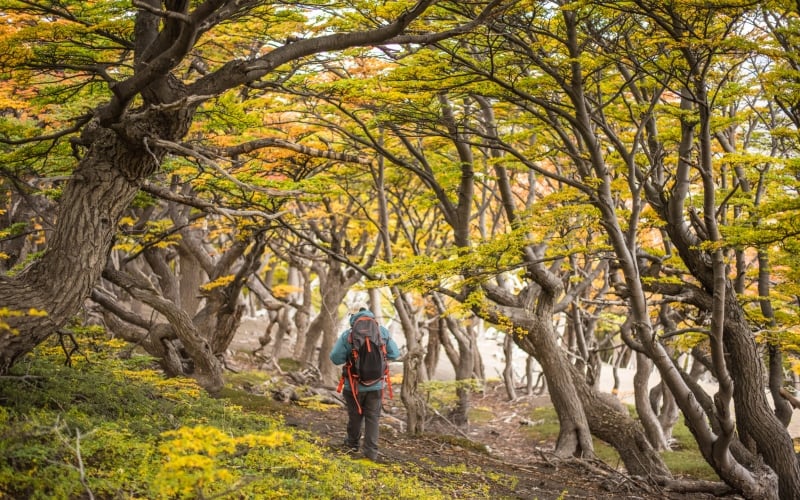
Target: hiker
(364,403)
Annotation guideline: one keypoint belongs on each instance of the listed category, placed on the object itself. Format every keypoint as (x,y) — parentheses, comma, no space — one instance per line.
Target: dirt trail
(493,459)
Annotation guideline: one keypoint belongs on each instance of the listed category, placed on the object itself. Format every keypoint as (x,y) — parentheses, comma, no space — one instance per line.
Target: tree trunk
(413,366)
(574,436)
(508,369)
(334,285)
(101,188)
(582,409)
(462,359)
(206,368)
(647,416)
(431,359)
(465,371)
(302,318)
(530,385)
(329,373)
(611,422)
(192,277)
(753,413)
(282,329)
(666,409)
(322,326)
(332,297)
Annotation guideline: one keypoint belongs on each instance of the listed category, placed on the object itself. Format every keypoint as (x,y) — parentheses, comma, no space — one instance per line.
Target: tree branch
(186,151)
(161,13)
(251,146)
(166,194)
(240,72)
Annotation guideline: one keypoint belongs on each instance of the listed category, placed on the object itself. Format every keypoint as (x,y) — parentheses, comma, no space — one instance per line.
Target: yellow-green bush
(118,428)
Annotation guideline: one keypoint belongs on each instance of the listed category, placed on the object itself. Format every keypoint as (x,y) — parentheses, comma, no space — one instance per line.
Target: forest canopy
(601,182)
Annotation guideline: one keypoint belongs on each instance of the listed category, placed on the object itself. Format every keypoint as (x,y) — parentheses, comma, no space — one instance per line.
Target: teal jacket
(343,347)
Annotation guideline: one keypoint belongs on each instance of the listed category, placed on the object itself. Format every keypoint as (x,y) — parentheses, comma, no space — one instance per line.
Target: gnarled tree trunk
(103,185)
(125,145)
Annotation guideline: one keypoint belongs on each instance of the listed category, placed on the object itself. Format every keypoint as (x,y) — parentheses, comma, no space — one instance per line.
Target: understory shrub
(115,427)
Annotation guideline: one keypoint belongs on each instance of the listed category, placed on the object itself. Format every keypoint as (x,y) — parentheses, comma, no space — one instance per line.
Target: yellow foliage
(127,221)
(179,388)
(125,247)
(794,365)
(116,343)
(272,440)
(282,291)
(193,457)
(13,313)
(219,282)
(36,312)
(314,403)
(196,440)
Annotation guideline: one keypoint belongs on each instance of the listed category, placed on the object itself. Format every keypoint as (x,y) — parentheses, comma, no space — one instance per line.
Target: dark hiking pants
(370,402)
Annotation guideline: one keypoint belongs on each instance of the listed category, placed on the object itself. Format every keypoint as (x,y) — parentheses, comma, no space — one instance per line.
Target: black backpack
(366,362)
(367,358)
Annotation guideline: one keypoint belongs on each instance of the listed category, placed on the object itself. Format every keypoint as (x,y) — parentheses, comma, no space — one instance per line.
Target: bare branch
(80,122)
(168,195)
(187,151)
(162,13)
(251,146)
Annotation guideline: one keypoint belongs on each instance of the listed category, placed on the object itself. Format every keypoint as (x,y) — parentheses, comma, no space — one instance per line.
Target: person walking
(363,393)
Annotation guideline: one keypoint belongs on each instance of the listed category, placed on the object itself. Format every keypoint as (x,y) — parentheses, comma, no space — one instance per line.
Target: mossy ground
(114,427)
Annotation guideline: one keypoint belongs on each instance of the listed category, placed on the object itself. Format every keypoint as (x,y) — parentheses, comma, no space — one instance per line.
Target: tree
(435,136)
(136,63)
(340,250)
(571,76)
(192,293)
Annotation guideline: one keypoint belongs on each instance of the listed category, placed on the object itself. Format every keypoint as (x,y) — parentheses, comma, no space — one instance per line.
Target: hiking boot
(349,448)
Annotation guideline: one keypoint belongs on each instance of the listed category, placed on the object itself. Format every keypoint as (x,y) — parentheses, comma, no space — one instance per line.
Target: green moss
(289,364)
(480,415)
(248,378)
(546,424)
(140,435)
(462,442)
(251,402)
(685,458)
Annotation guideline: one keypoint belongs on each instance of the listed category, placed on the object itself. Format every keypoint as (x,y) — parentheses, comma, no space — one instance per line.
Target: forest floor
(495,458)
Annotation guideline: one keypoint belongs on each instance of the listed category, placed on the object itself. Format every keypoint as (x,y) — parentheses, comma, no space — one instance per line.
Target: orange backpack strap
(353,386)
(386,373)
(389,385)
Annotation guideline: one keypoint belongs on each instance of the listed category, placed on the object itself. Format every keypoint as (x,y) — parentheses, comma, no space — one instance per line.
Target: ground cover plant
(106,424)
(112,427)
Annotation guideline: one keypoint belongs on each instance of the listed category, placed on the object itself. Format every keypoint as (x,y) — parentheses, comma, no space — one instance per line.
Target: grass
(480,415)
(116,428)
